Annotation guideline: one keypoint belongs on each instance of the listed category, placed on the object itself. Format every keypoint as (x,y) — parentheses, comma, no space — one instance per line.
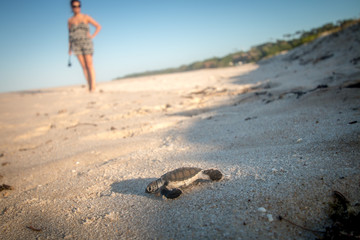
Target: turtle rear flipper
(173,193)
(215,175)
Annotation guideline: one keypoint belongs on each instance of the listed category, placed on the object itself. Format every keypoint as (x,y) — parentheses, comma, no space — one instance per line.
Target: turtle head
(152,187)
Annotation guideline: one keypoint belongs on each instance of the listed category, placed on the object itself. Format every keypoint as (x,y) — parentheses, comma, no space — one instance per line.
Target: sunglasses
(76,6)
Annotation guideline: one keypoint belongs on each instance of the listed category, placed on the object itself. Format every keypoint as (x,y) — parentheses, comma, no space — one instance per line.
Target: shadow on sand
(132,187)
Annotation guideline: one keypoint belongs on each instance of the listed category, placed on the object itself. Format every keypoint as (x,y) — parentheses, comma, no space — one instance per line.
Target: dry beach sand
(285,132)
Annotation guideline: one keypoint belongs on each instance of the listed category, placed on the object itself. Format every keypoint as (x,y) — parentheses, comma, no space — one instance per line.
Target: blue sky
(142,35)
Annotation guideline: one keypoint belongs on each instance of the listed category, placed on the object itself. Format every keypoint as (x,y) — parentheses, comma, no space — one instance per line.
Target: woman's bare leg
(91,72)
(85,69)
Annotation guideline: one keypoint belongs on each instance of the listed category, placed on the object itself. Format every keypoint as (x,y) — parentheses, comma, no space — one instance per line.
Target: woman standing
(80,41)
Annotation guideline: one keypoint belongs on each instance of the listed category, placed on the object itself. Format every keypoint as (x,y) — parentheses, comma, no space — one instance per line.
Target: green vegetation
(258,52)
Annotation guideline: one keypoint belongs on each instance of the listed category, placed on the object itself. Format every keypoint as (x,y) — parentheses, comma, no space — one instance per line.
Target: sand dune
(285,132)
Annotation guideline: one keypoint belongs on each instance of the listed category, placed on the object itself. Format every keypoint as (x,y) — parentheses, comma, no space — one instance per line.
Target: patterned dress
(80,43)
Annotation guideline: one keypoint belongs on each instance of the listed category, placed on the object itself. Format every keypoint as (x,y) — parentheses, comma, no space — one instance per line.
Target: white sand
(79,163)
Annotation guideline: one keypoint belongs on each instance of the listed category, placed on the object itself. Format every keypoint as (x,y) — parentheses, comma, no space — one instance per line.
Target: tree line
(258,52)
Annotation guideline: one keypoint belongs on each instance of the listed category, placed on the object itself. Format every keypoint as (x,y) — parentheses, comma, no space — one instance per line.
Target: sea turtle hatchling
(170,183)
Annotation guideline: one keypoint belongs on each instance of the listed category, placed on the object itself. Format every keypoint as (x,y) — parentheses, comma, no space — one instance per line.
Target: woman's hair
(72,1)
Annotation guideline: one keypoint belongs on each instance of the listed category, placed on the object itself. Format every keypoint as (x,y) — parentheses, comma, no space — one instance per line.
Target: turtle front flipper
(173,193)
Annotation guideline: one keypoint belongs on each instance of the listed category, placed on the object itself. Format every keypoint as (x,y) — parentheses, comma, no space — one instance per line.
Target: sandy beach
(285,133)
